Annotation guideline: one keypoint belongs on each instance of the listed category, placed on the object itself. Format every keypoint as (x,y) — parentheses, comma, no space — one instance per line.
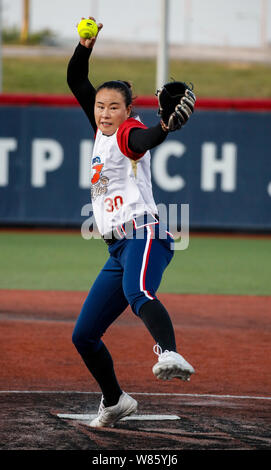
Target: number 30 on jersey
(113,204)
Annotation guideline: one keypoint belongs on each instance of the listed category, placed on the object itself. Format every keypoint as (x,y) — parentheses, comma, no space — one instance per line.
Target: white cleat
(171,365)
(108,416)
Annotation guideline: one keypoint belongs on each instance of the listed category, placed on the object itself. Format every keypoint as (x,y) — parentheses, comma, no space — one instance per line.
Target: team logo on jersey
(96,160)
(99,182)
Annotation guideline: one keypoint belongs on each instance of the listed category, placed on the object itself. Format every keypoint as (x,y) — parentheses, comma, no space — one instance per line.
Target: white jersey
(120,180)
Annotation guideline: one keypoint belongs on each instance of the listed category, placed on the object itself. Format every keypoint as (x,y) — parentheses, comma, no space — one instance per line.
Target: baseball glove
(176,104)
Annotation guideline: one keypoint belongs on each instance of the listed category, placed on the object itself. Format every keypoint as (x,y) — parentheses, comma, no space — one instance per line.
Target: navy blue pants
(131,275)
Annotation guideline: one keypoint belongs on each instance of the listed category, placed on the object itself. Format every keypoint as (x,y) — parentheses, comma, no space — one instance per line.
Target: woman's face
(110,110)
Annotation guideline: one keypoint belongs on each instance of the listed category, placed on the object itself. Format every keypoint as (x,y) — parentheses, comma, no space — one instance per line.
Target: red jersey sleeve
(123,137)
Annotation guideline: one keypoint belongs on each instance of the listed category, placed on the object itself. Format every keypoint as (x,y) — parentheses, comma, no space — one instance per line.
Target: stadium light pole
(162,53)
(94,9)
(1,51)
(25,22)
(263,22)
(1,67)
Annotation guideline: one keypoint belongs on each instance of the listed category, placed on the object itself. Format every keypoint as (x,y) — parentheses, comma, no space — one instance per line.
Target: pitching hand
(89,43)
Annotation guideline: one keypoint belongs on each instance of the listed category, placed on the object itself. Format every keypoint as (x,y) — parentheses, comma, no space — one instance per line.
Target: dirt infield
(225,406)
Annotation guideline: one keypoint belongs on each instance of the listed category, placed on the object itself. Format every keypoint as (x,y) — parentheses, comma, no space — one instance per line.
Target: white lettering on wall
(47,155)
(86,147)
(211,166)
(218,165)
(159,166)
(6,146)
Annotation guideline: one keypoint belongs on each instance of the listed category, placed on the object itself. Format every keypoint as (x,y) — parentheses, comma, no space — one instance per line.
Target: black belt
(127,228)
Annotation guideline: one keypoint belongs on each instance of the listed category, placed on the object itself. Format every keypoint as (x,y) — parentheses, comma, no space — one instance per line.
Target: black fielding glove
(176,104)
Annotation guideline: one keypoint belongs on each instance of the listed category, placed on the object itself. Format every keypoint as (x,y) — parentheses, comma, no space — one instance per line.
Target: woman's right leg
(104,303)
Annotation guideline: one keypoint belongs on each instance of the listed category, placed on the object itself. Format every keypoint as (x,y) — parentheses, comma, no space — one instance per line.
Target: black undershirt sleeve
(141,140)
(77,78)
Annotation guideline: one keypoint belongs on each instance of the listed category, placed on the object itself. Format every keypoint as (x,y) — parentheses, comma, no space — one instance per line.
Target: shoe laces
(101,407)
(158,350)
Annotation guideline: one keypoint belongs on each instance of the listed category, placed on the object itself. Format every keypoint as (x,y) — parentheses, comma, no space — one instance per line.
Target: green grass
(49,261)
(35,75)
(222,265)
(48,75)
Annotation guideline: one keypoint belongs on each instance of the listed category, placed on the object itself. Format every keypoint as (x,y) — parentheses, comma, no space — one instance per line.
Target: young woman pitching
(139,246)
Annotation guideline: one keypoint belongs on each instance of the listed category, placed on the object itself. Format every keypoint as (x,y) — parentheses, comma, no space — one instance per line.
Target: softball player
(126,216)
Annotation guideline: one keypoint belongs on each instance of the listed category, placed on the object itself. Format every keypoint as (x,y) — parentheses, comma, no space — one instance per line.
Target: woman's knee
(84,342)
(76,338)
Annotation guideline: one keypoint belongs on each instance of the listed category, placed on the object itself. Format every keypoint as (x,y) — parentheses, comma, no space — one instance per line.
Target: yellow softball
(87,29)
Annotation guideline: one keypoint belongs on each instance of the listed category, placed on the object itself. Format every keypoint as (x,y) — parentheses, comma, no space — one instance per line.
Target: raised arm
(77,77)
